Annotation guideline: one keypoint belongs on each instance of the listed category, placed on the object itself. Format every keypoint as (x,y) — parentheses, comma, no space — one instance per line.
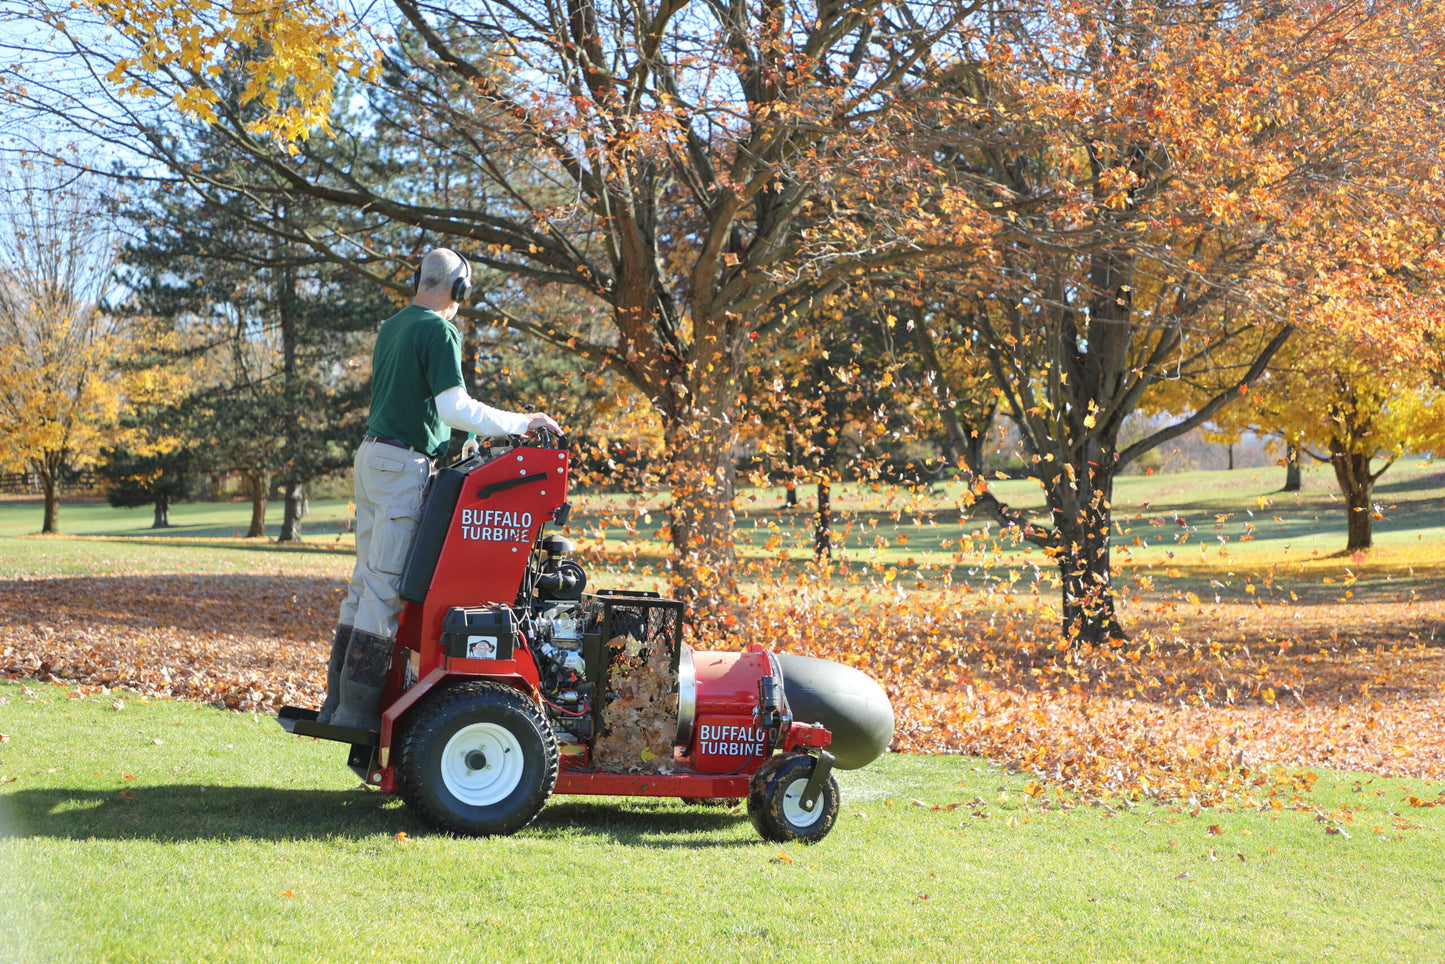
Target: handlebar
(547,439)
(538,438)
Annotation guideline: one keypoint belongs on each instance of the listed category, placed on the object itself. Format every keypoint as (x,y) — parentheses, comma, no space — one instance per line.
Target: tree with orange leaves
(1174,189)
(669,161)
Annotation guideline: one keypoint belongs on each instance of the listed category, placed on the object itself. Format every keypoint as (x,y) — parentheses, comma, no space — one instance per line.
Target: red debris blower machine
(510,682)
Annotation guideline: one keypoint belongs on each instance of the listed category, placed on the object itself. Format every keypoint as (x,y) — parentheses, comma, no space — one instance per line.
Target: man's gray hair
(440,268)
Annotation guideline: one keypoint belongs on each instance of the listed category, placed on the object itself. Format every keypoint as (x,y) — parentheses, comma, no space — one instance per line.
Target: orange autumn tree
(1175,188)
(672,162)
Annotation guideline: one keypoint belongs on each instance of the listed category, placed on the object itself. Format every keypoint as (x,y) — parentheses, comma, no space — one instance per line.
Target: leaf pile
(640,713)
(243,642)
(1265,694)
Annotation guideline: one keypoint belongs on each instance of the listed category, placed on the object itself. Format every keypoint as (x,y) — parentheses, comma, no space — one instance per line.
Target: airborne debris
(1233,703)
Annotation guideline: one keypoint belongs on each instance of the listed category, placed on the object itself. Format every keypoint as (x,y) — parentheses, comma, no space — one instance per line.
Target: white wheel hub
(793,805)
(482,764)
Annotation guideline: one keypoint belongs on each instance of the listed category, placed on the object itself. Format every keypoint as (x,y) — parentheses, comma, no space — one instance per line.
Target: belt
(395,442)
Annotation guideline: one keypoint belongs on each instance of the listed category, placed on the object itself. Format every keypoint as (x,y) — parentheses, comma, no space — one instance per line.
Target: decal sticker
(481,647)
(496,525)
(718,740)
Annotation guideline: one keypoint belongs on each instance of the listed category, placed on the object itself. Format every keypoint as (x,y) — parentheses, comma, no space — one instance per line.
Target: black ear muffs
(461,287)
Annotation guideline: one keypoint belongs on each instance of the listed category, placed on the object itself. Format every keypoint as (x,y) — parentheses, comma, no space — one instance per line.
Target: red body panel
(725,735)
(487,547)
(652,785)
(727,683)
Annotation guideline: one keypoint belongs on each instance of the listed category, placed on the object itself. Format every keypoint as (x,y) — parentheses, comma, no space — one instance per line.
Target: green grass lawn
(175,832)
(1200,524)
(171,831)
(1183,530)
(204,538)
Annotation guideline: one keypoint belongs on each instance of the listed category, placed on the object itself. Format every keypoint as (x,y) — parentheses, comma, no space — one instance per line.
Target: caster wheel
(775,796)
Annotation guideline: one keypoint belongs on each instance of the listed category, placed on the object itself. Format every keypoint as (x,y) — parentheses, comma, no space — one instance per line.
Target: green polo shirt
(418,355)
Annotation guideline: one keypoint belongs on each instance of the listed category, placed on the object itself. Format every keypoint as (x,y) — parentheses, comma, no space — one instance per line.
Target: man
(417,397)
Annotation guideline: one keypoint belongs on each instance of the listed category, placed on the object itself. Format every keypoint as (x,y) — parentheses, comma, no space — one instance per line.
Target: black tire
(477,759)
(773,795)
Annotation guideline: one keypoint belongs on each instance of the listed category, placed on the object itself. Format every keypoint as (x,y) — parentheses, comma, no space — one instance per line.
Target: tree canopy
(1089,202)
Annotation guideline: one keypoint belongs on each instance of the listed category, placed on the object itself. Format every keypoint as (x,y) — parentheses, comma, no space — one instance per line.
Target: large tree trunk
(1293,477)
(974,450)
(790,447)
(1080,495)
(258,483)
(702,515)
(52,500)
(1082,522)
(294,512)
(1352,471)
(294,483)
(823,530)
(163,512)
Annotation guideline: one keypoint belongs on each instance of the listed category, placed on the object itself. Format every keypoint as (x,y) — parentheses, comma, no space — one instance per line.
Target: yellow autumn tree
(62,381)
(1344,405)
(302,48)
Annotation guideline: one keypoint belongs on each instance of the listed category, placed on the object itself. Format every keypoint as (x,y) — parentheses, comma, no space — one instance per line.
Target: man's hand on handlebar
(541,420)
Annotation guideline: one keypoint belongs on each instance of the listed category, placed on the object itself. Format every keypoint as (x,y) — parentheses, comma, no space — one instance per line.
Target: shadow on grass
(650,822)
(184,812)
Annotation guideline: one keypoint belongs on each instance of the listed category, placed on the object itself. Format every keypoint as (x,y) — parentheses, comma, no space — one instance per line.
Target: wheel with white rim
(482,764)
(478,759)
(775,801)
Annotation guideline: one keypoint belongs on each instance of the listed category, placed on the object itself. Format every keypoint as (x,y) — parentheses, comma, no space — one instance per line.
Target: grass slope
(174,832)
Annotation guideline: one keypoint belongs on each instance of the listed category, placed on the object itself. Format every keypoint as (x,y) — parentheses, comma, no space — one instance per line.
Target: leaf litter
(1206,703)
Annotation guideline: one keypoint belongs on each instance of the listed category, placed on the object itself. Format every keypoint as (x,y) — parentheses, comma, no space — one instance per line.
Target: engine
(622,691)
(615,678)
(567,689)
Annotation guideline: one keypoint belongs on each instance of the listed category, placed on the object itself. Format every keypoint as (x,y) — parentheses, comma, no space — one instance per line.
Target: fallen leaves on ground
(244,642)
(1199,705)
(1203,704)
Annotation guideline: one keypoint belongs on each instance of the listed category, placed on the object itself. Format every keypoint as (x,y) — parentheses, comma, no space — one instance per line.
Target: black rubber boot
(368,657)
(333,673)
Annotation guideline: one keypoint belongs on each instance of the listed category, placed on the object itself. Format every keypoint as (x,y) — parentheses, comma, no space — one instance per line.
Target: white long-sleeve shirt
(459,410)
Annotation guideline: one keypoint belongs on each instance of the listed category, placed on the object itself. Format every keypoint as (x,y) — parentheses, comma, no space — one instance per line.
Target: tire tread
(424,728)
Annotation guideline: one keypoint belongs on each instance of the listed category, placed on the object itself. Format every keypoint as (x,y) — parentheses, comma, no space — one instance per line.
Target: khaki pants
(389,483)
